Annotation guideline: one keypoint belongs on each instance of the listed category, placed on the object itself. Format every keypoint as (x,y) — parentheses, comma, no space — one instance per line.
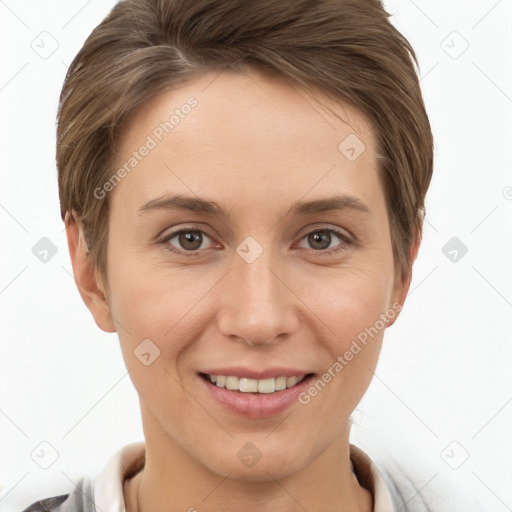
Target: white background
(445,369)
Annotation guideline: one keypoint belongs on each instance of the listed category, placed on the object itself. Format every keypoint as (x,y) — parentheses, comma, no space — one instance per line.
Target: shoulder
(410,493)
(80,499)
(46,504)
(95,491)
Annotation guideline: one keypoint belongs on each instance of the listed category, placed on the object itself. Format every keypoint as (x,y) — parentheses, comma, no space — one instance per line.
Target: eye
(320,240)
(189,241)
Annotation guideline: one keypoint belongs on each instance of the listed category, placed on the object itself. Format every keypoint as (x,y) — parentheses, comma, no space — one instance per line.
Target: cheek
(152,328)
(354,310)
(351,352)
(167,311)
(148,307)
(352,300)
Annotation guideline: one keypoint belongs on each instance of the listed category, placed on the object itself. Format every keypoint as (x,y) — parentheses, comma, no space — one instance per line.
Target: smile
(254,393)
(245,385)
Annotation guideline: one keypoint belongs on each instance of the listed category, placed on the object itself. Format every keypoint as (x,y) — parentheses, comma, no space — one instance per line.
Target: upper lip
(257,374)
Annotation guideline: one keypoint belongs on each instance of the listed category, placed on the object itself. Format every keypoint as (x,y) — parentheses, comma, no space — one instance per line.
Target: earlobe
(85,275)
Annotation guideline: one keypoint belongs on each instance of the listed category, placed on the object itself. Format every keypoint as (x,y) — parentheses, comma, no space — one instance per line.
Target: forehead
(246,132)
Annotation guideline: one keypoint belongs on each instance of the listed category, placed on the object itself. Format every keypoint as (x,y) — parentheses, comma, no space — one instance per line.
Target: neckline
(129,460)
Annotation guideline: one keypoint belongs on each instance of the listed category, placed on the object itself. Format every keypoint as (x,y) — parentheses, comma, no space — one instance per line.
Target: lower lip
(256,405)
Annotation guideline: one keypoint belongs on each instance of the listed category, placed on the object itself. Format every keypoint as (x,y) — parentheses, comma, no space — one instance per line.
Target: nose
(257,305)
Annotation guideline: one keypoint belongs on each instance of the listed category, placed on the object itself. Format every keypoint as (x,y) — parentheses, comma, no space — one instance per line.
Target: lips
(255,394)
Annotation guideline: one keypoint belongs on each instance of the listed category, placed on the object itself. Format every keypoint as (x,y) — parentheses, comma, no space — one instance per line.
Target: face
(250,240)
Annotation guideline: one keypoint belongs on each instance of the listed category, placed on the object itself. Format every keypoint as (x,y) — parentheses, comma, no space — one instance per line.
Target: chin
(243,461)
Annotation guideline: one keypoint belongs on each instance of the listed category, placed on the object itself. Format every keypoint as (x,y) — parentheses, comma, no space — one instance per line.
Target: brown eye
(190,240)
(320,239)
(187,241)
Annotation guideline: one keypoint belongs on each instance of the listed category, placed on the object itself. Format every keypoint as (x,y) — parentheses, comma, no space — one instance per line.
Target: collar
(127,461)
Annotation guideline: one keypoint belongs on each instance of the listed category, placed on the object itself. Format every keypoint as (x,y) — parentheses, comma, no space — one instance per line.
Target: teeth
(280,383)
(248,385)
(232,383)
(266,385)
(291,381)
(252,385)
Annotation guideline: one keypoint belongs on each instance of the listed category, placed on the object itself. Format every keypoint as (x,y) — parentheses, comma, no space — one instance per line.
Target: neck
(172,480)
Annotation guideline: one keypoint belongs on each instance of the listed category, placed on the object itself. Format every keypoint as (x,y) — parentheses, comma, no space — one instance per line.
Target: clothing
(391,493)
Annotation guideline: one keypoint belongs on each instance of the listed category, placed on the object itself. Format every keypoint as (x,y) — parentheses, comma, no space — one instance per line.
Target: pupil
(319,235)
(188,237)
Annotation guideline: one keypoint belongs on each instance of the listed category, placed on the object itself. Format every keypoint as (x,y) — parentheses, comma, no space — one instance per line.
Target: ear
(402,286)
(86,278)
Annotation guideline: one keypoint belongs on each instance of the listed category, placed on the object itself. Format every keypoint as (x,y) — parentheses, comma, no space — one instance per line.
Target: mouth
(254,398)
(246,385)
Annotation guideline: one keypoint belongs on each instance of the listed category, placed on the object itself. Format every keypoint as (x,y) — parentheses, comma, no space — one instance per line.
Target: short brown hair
(347,49)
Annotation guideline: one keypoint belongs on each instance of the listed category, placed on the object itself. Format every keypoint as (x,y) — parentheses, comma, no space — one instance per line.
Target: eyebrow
(196,204)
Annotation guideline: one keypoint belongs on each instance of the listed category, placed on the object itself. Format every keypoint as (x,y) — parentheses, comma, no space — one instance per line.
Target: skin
(255,145)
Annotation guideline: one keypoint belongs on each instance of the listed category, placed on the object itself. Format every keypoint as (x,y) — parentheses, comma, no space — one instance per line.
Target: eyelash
(341,247)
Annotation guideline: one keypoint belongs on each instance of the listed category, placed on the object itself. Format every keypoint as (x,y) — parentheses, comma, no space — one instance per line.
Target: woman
(243,189)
